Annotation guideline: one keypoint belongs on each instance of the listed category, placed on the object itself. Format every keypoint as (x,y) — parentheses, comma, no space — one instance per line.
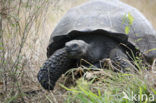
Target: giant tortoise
(94,31)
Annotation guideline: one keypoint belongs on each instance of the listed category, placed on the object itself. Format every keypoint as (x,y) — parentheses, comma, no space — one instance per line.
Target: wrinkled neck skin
(89,56)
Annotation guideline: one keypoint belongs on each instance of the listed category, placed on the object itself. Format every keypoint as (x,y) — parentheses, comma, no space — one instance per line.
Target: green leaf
(153,49)
(124,19)
(127,29)
(153,90)
(139,39)
(130,18)
(140,92)
(99,92)
(73,90)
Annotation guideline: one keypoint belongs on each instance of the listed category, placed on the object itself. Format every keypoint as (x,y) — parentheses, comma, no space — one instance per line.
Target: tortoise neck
(89,57)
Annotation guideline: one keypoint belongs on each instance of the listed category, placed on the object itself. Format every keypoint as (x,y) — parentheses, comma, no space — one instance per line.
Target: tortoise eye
(75,46)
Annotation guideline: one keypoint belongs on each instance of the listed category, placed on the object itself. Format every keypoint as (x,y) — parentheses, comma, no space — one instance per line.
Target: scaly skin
(53,68)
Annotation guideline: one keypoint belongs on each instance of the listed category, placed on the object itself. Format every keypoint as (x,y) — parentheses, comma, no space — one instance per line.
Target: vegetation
(25,26)
(105,86)
(20,21)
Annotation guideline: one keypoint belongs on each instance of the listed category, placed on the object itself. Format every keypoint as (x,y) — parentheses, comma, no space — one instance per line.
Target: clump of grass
(106,86)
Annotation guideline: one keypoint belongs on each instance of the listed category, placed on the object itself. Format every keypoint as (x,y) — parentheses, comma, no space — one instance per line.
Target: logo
(138,97)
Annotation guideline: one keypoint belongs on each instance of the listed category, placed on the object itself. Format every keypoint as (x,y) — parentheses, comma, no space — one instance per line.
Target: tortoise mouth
(74,53)
(70,49)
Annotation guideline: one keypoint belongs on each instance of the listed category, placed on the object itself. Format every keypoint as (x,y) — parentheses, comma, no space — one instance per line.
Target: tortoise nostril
(68,48)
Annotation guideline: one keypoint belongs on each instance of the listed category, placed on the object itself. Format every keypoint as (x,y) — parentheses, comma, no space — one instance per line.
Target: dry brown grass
(25,34)
(24,52)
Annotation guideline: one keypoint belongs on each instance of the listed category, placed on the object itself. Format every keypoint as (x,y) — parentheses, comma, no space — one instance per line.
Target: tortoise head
(76,49)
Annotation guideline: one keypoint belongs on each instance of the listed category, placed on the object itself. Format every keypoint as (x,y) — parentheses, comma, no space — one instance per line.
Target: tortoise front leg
(120,60)
(53,68)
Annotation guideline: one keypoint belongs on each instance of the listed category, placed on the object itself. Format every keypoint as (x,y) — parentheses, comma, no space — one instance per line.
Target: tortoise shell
(111,16)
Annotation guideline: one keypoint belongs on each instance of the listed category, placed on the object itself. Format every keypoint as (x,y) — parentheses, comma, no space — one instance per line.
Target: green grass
(107,86)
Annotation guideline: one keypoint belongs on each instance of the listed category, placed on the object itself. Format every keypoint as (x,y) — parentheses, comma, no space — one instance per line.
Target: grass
(106,86)
(110,87)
